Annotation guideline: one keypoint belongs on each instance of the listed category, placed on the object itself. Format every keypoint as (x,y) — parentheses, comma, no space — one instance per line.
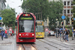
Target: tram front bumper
(26,38)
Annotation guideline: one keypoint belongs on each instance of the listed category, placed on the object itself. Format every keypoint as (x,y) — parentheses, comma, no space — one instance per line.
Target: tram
(40,29)
(25,27)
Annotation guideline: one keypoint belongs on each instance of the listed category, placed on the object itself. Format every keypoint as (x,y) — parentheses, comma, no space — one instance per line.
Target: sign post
(63,17)
(1,21)
(0,18)
(46,32)
(73,18)
(73,30)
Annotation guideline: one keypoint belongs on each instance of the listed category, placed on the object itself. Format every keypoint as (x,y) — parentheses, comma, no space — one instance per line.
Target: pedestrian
(6,34)
(2,33)
(60,32)
(49,33)
(73,34)
(66,34)
(12,32)
(57,32)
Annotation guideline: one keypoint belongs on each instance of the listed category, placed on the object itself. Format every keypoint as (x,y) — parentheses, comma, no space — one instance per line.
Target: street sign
(63,17)
(46,29)
(0,18)
(10,30)
(73,18)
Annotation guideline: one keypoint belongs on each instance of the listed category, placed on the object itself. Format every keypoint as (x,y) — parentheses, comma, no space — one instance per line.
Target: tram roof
(23,13)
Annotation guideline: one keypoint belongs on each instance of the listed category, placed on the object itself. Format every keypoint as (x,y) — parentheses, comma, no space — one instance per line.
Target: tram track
(56,45)
(23,46)
(26,47)
(34,46)
(61,44)
(47,43)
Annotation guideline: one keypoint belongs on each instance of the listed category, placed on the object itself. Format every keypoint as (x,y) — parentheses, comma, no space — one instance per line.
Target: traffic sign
(46,29)
(63,17)
(73,18)
(10,29)
(0,18)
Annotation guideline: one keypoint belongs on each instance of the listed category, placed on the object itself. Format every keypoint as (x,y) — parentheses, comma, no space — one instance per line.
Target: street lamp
(56,21)
(57,28)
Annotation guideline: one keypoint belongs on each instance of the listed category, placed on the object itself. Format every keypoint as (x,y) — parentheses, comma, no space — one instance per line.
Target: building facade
(2,7)
(2,4)
(68,6)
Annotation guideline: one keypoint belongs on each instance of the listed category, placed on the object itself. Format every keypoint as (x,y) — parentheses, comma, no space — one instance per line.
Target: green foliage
(44,9)
(73,2)
(70,33)
(38,7)
(8,17)
(66,26)
(73,10)
(70,28)
(67,19)
(56,8)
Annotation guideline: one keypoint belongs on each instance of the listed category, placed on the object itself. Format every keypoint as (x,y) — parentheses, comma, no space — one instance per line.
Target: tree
(44,9)
(8,16)
(67,19)
(38,7)
(56,8)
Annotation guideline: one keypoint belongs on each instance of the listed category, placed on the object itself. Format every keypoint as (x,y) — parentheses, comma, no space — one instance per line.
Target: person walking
(2,33)
(66,34)
(6,34)
(60,32)
(12,32)
(73,34)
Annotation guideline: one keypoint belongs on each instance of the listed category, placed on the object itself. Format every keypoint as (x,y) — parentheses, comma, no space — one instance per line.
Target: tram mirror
(15,23)
(36,24)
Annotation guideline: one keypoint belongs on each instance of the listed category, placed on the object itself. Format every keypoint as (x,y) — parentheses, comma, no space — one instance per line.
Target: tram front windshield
(26,26)
(39,28)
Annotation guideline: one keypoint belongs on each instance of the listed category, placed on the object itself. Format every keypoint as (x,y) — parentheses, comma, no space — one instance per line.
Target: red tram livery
(25,27)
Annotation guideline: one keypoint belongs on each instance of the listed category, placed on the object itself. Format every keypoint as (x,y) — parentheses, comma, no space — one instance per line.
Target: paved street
(8,44)
(36,21)
(48,43)
(53,43)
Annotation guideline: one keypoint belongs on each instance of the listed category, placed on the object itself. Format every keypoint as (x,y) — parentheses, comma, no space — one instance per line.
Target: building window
(65,11)
(71,12)
(68,11)
(68,3)
(64,2)
(71,3)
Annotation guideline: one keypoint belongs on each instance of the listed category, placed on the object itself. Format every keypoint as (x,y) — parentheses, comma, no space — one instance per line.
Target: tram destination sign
(25,18)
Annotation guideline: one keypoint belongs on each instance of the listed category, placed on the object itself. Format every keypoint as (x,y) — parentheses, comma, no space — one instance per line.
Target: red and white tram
(25,27)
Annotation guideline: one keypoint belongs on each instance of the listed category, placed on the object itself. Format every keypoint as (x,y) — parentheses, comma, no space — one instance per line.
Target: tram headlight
(19,34)
(32,34)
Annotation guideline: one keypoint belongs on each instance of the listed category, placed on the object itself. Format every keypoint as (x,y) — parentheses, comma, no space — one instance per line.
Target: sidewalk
(58,39)
(5,41)
(8,43)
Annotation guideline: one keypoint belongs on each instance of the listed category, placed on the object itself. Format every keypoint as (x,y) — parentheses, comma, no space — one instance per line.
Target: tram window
(26,26)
